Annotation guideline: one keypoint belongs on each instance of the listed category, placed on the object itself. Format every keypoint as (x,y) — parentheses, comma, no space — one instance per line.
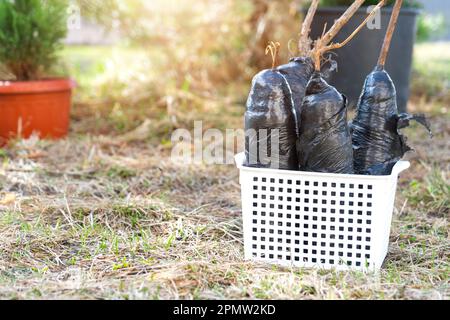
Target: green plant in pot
(356,59)
(31,101)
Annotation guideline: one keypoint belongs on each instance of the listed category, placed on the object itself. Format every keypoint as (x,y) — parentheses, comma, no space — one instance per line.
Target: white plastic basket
(329,221)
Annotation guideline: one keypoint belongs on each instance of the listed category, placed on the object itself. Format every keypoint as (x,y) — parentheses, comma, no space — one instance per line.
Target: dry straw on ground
(106,215)
(91,217)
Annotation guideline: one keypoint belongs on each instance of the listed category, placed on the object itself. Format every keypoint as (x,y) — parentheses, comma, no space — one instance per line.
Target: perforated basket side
(316,220)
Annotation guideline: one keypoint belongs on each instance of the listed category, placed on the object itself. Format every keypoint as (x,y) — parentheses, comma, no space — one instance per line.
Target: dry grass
(105,214)
(91,218)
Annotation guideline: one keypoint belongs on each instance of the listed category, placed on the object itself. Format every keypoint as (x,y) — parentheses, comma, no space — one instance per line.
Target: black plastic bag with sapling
(377,142)
(274,106)
(271,131)
(300,69)
(325,142)
(297,74)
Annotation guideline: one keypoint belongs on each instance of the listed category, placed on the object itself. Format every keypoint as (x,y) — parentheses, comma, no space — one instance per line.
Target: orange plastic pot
(35,107)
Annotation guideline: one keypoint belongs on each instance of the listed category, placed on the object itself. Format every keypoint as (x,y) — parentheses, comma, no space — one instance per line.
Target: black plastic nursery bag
(297,73)
(270,123)
(377,142)
(324,143)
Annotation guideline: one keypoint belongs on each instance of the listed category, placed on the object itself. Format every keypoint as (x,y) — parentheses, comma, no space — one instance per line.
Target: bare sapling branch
(369,17)
(342,21)
(390,33)
(304,44)
(321,45)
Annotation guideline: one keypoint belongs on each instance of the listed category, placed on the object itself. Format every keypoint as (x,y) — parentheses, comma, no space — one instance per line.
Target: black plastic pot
(359,57)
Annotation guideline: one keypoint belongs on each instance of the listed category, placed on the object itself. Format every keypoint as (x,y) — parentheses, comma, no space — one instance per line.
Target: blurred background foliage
(406,3)
(178,56)
(430,26)
(177,59)
(201,43)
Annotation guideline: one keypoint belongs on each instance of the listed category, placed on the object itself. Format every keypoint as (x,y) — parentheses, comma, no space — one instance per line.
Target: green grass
(432,194)
(101,70)
(433,58)
(431,76)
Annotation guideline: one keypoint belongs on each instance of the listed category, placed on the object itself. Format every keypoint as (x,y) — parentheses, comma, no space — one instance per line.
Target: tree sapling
(377,142)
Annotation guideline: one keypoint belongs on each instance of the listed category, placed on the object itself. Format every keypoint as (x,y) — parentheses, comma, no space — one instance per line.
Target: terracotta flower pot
(40,107)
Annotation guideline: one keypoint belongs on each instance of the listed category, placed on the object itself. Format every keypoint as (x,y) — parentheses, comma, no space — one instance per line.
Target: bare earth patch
(93,218)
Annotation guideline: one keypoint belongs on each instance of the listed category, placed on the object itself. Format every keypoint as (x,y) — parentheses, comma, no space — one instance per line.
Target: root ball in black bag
(270,124)
(377,142)
(274,106)
(324,143)
(297,73)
